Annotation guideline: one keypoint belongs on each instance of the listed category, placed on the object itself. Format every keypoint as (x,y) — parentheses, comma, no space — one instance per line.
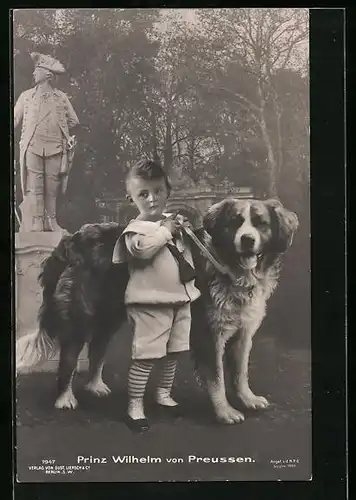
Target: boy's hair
(148,170)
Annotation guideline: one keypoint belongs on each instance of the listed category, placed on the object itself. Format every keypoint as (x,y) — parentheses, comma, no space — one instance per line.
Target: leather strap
(220,267)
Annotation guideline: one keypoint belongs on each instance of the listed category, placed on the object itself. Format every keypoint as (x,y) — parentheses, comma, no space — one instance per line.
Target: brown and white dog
(249,237)
(83,296)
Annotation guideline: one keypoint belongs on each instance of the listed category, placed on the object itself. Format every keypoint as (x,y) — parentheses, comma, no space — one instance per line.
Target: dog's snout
(247,241)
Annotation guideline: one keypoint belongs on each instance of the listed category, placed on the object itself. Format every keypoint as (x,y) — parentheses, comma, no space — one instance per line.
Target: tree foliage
(224,97)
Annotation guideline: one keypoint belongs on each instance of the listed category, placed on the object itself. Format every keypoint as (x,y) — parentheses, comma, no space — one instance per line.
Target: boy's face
(149,196)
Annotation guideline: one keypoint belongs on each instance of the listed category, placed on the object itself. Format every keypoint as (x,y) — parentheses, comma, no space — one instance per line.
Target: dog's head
(92,245)
(243,230)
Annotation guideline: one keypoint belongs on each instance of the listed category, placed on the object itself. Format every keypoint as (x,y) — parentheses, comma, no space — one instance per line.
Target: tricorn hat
(47,62)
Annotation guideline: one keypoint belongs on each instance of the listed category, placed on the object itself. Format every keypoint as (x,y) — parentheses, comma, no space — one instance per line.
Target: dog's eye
(258,221)
(237,220)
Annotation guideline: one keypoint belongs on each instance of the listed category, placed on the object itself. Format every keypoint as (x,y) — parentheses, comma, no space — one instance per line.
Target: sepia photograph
(161,164)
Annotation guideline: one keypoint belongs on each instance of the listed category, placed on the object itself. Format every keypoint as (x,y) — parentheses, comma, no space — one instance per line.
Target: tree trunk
(272,164)
(191,151)
(279,138)
(154,145)
(178,142)
(168,151)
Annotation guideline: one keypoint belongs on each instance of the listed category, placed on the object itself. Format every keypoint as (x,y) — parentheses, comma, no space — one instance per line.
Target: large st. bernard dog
(83,296)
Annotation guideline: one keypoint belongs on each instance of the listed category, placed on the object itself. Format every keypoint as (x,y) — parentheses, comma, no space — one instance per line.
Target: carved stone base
(31,249)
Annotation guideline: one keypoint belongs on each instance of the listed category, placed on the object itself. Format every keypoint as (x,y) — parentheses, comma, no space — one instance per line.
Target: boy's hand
(194,224)
(172,225)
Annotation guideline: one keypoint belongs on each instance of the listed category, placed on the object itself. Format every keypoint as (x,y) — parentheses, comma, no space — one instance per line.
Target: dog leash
(220,267)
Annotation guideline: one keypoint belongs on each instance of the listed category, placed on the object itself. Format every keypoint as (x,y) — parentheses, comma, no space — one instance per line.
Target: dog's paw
(99,388)
(66,400)
(253,402)
(228,415)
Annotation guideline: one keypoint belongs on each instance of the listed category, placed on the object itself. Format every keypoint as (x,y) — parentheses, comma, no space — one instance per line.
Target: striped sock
(167,370)
(138,377)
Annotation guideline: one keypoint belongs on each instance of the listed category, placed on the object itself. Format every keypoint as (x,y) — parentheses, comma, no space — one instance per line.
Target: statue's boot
(53,225)
(37,224)
(52,181)
(35,203)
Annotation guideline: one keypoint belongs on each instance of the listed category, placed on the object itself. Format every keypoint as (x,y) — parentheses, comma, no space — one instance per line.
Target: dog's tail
(33,349)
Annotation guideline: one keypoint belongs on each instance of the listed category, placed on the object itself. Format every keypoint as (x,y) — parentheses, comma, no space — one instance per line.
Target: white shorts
(159,330)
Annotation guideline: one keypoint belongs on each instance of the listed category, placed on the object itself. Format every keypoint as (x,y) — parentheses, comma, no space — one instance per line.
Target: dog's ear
(273,203)
(212,215)
(75,251)
(61,251)
(284,225)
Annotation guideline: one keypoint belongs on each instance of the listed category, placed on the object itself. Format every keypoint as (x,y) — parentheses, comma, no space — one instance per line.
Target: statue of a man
(46,146)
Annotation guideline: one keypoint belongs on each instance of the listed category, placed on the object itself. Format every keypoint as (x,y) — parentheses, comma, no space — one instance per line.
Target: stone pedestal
(31,249)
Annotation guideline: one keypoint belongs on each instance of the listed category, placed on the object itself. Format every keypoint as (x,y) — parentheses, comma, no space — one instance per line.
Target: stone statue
(46,147)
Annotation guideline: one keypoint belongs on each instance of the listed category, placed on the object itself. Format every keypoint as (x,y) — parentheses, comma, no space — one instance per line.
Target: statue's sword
(18,218)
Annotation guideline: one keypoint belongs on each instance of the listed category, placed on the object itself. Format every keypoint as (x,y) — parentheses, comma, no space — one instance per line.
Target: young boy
(159,292)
